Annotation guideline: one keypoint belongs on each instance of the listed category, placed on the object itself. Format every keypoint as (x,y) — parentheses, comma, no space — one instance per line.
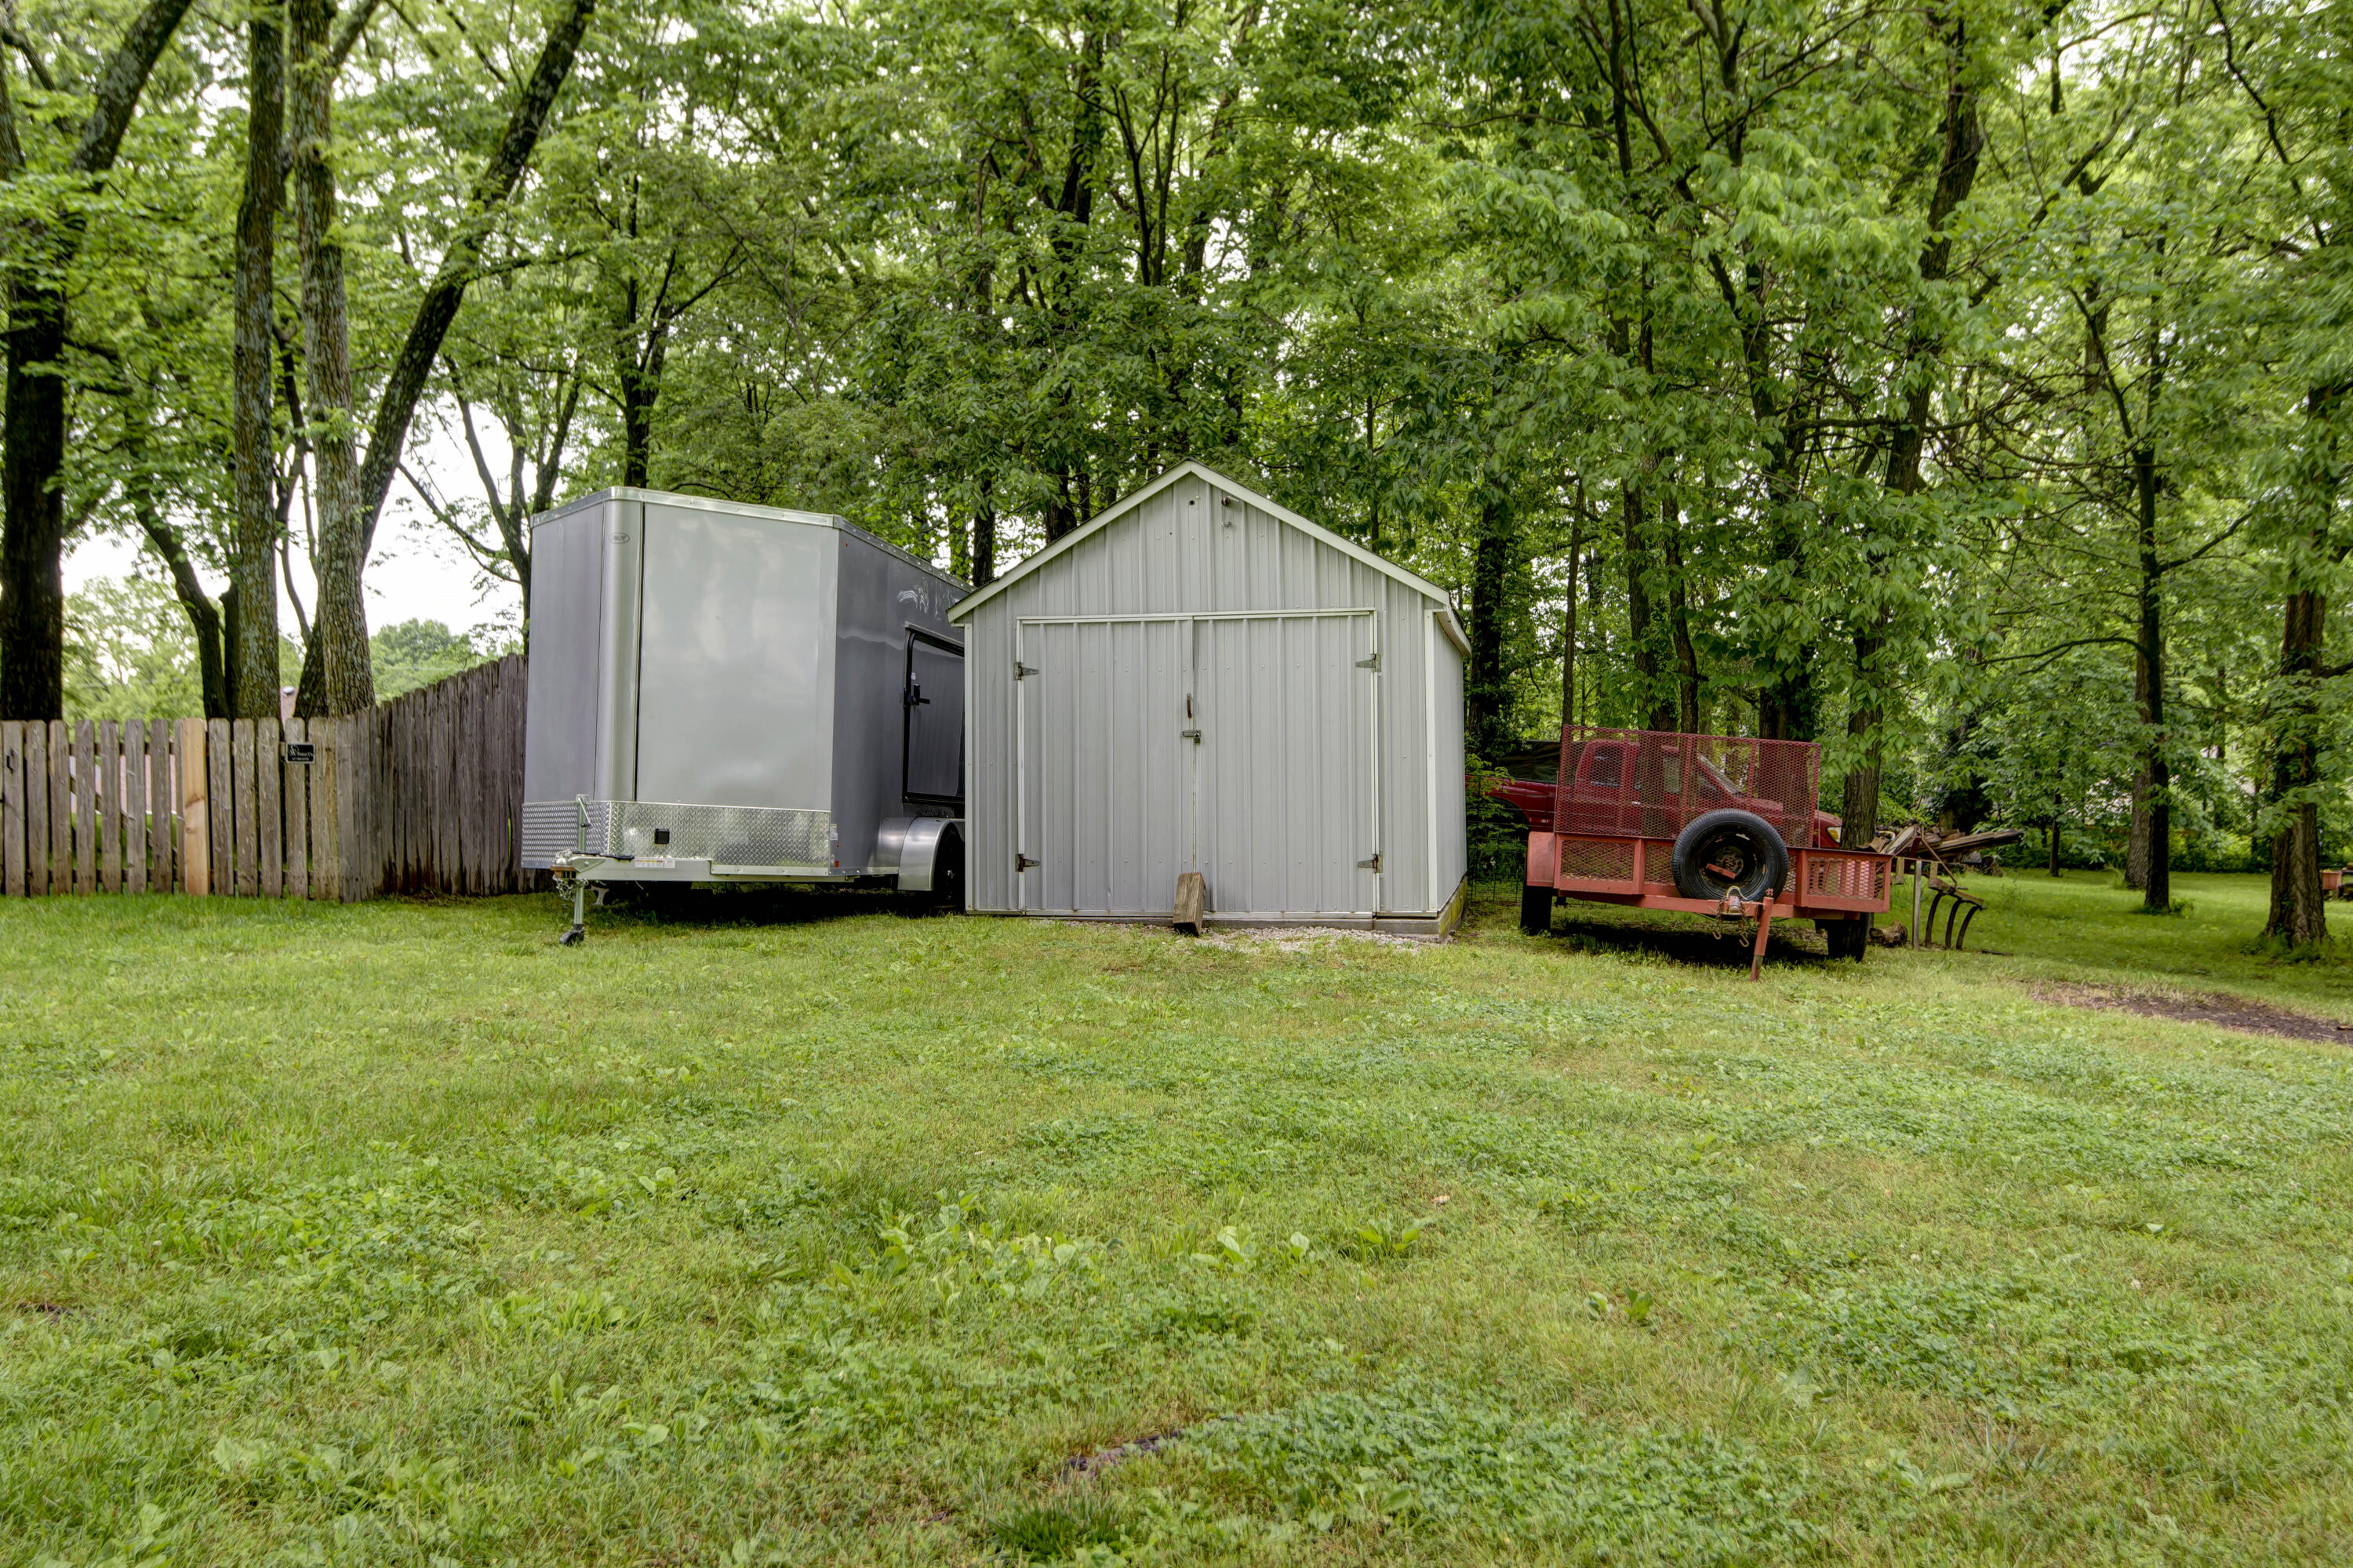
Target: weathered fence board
(160,874)
(12,808)
(60,807)
(297,787)
(36,808)
(106,785)
(85,770)
(134,806)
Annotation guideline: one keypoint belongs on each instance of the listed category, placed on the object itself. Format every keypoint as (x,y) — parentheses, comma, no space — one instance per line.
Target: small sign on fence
(300,752)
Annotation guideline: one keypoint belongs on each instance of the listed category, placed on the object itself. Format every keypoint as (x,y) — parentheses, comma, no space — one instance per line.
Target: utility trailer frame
(1826,885)
(1606,832)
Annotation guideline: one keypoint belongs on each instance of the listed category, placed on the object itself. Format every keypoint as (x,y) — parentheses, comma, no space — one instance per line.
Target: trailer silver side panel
(728,684)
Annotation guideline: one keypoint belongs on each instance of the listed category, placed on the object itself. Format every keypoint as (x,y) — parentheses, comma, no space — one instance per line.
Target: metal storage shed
(1201,679)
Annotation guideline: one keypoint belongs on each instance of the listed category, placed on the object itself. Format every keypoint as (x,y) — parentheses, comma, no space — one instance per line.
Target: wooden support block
(108,782)
(12,808)
(60,807)
(162,799)
(245,806)
(1192,903)
(37,809)
(85,789)
(269,766)
(134,806)
(195,811)
(297,787)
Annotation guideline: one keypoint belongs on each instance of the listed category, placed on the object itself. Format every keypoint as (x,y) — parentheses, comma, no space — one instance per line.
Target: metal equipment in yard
(1708,824)
(1938,861)
(729,694)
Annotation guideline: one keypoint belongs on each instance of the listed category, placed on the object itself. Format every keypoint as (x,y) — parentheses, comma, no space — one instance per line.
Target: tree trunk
(2299,911)
(2137,834)
(1490,572)
(639,373)
(204,615)
(1859,799)
(1687,679)
(2157,895)
(2057,802)
(983,538)
(2299,915)
(32,450)
(253,569)
(1651,698)
(388,434)
(1568,614)
(345,681)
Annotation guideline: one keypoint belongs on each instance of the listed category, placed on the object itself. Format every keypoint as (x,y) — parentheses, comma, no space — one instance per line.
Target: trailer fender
(909,848)
(1543,861)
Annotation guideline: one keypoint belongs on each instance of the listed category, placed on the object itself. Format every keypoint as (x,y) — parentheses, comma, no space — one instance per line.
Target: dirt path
(2217,1012)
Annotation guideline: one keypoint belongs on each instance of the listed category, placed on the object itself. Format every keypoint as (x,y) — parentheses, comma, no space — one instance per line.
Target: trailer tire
(1535,911)
(1701,850)
(947,872)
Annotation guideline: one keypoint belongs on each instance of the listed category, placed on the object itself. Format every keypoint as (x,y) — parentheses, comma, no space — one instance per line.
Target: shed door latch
(1022,862)
(1190,733)
(1373,664)
(1021,671)
(1373,865)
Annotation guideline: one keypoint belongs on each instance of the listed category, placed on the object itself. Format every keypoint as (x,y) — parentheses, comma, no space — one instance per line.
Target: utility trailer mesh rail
(1650,784)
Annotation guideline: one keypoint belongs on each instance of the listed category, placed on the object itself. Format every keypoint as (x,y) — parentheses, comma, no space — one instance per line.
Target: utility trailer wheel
(1847,938)
(1729,851)
(947,874)
(1535,911)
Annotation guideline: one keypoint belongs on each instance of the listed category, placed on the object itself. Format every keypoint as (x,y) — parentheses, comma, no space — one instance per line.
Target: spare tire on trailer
(1728,852)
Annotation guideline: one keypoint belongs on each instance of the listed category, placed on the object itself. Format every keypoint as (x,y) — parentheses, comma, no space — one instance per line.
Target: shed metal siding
(1317,748)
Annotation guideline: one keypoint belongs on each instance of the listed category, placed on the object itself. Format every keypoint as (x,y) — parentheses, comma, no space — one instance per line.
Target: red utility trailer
(1709,824)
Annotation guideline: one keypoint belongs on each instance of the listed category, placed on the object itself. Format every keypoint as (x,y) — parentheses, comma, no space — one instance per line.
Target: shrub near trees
(1963,387)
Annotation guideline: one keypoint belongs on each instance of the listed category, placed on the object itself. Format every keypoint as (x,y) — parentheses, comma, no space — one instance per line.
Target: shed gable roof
(1126,503)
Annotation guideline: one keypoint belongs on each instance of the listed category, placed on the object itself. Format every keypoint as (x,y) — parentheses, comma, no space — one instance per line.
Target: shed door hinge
(1373,865)
(1022,862)
(1373,664)
(1021,670)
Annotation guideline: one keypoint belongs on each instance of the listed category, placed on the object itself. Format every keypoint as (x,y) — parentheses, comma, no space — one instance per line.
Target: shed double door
(1242,747)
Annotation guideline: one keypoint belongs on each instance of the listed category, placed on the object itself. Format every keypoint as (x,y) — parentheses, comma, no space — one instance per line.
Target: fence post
(195,811)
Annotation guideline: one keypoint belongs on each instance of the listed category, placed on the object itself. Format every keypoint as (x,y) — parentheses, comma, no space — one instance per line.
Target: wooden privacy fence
(420,794)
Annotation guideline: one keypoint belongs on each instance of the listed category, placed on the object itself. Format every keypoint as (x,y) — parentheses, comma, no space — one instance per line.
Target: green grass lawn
(397,1233)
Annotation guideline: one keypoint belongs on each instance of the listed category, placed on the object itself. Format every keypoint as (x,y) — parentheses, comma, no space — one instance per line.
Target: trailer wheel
(1847,938)
(1730,852)
(1535,910)
(947,873)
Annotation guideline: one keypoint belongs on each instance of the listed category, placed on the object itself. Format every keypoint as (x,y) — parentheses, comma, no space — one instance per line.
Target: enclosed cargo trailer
(729,694)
